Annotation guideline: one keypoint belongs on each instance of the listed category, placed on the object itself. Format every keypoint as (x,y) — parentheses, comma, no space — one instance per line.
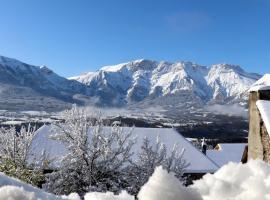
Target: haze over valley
(185,95)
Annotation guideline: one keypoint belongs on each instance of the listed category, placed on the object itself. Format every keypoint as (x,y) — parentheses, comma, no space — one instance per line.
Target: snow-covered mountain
(137,83)
(142,80)
(27,87)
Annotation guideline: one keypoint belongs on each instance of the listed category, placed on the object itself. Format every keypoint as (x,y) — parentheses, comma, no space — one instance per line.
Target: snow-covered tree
(97,155)
(14,153)
(152,156)
(15,145)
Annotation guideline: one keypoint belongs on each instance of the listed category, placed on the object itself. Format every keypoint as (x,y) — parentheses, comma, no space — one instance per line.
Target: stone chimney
(258,141)
(204,146)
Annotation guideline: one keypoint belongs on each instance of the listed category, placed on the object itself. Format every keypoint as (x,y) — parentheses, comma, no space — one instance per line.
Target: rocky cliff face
(145,79)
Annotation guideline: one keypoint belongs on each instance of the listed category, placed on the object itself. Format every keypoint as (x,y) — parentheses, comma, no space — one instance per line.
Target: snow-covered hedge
(234,182)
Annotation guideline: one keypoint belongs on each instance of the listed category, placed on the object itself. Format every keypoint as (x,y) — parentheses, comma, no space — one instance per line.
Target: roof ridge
(195,148)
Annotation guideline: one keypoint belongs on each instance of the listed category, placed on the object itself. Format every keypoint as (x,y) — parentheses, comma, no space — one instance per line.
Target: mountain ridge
(24,86)
(134,83)
(140,79)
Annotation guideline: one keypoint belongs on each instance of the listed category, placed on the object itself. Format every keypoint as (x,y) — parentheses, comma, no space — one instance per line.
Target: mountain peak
(134,65)
(10,62)
(143,79)
(135,81)
(226,66)
(44,69)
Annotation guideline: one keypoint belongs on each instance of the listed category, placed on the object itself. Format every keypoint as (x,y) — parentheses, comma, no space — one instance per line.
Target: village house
(224,153)
(259,120)
(199,163)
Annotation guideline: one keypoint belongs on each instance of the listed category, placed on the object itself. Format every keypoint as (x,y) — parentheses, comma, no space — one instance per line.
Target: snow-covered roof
(262,84)
(227,152)
(199,163)
(264,108)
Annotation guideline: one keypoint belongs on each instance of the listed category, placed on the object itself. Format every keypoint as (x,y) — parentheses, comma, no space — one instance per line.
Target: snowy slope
(229,81)
(42,78)
(143,79)
(24,86)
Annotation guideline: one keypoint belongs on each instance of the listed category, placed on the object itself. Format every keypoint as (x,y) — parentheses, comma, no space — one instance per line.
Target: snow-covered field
(232,182)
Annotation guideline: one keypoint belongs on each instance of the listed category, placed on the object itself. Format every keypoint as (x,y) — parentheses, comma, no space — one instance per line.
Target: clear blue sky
(75,36)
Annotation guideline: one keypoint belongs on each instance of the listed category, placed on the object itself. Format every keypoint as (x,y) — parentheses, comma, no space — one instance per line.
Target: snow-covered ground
(233,181)
(13,189)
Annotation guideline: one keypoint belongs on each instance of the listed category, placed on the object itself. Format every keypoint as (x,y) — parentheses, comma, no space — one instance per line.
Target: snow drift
(233,181)
(236,181)
(163,185)
(13,189)
(108,196)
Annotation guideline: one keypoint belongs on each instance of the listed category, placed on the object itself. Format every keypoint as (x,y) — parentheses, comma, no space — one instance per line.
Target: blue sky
(75,36)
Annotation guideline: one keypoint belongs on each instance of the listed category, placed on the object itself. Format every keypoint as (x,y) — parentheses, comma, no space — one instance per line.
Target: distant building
(224,153)
(259,120)
(199,163)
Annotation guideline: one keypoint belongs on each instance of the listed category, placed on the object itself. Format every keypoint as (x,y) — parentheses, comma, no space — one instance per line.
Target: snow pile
(72,196)
(163,185)
(236,182)
(108,196)
(16,193)
(264,108)
(232,182)
(261,84)
(13,189)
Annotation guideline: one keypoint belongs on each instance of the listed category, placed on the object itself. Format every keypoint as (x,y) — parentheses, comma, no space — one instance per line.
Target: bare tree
(152,156)
(15,150)
(97,155)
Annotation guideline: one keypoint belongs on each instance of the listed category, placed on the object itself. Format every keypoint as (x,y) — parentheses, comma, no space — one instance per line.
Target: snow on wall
(261,84)
(199,163)
(264,108)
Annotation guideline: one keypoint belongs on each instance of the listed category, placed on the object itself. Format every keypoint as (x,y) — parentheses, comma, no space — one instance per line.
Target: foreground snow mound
(16,193)
(233,181)
(108,196)
(13,189)
(165,186)
(249,181)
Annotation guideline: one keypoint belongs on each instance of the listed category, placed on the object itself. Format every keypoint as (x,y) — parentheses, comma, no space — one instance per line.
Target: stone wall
(258,138)
(255,146)
(265,143)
